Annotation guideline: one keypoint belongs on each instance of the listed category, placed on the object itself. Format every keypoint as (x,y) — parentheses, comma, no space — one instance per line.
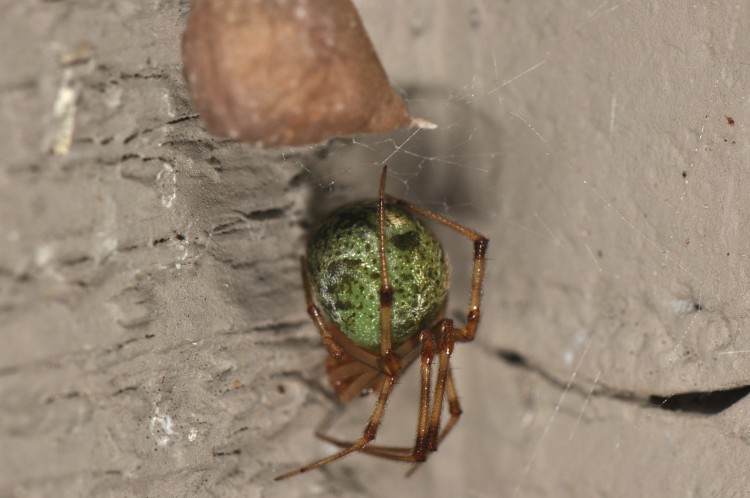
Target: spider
(382,278)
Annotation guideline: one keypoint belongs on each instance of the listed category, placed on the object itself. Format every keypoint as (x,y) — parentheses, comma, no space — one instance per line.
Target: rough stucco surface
(154,339)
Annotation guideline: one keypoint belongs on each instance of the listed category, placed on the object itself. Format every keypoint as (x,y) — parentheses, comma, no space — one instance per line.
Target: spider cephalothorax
(381,277)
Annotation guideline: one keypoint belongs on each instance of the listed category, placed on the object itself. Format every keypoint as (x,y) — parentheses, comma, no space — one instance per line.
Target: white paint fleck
(162,428)
(106,241)
(43,255)
(193,434)
(166,98)
(65,110)
(684,306)
(568,357)
(109,245)
(256,235)
(113,97)
(167,182)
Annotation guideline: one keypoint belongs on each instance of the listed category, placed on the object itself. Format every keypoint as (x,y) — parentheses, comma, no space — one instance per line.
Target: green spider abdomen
(343,264)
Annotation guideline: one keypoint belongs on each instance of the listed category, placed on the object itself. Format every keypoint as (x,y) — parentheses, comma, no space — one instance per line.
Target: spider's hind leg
(371,430)
(429,436)
(454,409)
(417,453)
(447,337)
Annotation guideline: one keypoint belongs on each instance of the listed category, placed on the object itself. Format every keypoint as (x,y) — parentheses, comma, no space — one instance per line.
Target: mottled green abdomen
(343,263)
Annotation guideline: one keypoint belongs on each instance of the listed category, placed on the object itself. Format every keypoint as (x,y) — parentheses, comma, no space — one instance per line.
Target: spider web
(608,188)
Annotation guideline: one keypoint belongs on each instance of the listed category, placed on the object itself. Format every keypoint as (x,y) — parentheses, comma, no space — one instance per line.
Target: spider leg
(454,409)
(444,381)
(349,377)
(388,358)
(419,450)
(425,377)
(428,427)
(468,331)
(369,449)
(389,363)
(369,433)
(325,335)
(406,454)
(446,349)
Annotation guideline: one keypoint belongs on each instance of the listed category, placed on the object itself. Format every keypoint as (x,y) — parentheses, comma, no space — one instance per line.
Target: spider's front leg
(468,331)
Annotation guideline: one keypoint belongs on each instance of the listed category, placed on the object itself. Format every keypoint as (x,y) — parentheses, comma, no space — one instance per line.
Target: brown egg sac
(274,72)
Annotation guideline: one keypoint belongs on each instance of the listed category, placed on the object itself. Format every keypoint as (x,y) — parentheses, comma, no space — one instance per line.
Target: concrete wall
(154,338)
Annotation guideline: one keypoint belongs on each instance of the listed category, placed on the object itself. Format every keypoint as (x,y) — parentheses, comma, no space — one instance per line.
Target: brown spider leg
(446,349)
(427,432)
(389,360)
(425,375)
(434,436)
(416,453)
(468,331)
(330,343)
(369,433)
(376,450)
(454,409)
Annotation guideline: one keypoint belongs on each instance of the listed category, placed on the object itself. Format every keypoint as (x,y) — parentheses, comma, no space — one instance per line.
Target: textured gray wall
(154,340)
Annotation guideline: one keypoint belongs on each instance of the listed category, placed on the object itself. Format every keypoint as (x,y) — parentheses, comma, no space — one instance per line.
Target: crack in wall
(690,402)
